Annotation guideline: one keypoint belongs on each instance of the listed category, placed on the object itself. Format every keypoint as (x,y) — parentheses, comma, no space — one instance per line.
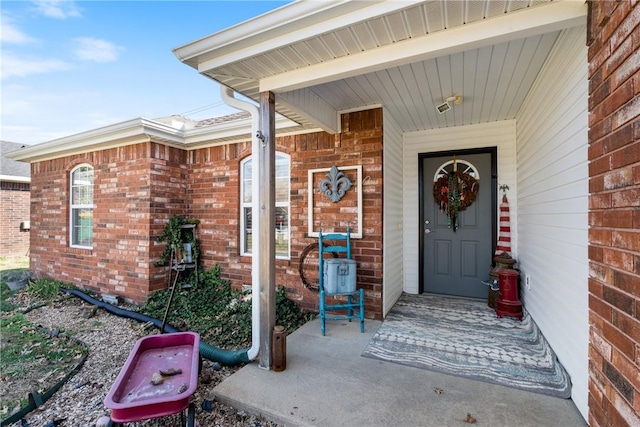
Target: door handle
(427,231)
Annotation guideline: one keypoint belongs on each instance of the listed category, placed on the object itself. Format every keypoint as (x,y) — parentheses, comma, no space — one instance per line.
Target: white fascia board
(362,108)
(313,19)
(230,38)
(116,135)
(138,131)
(14,178)
(527,22)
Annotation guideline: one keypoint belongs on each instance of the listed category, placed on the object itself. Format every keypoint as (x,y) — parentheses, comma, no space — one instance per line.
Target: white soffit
(281,27)
(517,25)
(323,57)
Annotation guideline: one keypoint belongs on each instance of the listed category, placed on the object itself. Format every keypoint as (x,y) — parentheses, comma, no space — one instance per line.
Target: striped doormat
(463,337)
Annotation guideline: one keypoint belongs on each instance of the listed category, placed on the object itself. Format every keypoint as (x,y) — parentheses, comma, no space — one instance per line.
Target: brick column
(614,213)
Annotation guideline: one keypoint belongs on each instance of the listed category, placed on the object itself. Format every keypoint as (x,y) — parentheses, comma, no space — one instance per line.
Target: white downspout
(228,98)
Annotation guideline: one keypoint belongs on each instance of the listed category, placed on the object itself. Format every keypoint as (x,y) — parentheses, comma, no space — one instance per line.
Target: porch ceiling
(321,58)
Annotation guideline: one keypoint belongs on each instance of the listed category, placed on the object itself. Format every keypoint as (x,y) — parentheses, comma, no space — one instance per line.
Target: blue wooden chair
(341,271)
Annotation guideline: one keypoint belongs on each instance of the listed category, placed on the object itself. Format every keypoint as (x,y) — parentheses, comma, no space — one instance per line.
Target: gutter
(227,96)
(143,130)
(15,178)
(116,135)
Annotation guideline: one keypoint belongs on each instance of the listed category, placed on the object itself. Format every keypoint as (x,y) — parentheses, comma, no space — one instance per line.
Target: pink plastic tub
(134,398)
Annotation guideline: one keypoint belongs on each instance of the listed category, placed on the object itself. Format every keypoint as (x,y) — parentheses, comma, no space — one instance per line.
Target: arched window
(81,207)
(282,205)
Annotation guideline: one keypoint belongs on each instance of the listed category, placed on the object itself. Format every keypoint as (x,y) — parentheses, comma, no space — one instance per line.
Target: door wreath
(455,191)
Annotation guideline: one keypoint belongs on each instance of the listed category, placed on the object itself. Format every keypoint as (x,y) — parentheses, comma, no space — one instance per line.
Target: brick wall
(138,188)
(14,199)
(168,173)
(614,213)
(214,199)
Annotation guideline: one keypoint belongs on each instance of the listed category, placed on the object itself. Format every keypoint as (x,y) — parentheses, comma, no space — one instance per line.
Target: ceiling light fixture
(446,105)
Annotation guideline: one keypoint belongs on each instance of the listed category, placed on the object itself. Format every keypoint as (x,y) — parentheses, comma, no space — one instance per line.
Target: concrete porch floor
(327,383)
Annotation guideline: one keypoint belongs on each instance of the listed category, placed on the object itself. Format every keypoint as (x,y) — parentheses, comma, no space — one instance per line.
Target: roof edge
(252,27)
(143,130)
(15,178)
(104,137)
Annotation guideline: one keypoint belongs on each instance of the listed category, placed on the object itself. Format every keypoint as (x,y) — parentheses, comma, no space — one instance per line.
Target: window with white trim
(282,205)
(81,212)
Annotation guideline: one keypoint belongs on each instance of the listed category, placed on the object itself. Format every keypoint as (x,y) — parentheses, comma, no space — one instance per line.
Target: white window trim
(72,206)
(311,191)
(470,167)
(243,205)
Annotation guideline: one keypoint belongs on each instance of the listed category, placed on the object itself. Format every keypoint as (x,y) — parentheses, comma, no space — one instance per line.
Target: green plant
(176,236)
(219,313)
(288,314)
(44,288)
(5,294)
(30,353)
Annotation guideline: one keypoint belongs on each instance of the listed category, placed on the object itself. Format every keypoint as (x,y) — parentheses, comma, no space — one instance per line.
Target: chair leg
(322,314)
(361,301)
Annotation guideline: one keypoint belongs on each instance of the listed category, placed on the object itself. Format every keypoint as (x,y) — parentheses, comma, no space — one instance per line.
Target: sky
(72,66)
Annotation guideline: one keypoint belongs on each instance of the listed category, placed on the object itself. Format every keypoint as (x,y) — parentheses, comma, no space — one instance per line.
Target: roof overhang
(323,58)
(13,178)
(280,27)
(142,130)
(295,49)
(516,25)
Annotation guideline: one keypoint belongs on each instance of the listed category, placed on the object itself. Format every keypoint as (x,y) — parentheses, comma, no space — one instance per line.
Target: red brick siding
(168,173)
(614,213)
(214,194)
(137,188)
(14,199)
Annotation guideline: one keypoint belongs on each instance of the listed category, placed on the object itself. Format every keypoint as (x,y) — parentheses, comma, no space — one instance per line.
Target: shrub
(44,288)
(220,314)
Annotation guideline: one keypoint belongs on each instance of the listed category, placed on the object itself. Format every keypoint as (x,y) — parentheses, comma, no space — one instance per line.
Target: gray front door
(456,262)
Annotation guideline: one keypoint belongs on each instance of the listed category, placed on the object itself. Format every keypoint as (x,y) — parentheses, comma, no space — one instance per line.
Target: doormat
(464,337)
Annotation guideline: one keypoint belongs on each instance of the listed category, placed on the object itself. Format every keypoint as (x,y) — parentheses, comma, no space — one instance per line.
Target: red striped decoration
(504,235)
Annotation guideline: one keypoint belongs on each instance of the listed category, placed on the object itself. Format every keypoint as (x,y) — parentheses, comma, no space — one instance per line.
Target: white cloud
(16,66)
(58,9)
(16,107)
(11,33)
(33,114)
(91,49)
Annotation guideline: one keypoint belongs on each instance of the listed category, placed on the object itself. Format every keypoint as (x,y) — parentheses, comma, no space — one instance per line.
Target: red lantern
(508,303)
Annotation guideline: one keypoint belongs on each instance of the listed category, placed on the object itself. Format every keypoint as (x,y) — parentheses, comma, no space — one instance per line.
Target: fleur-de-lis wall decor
(336,185)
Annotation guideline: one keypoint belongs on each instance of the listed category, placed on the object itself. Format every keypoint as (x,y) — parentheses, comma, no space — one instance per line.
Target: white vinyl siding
(552,162)
(495,134)
(392,213)
(306,100)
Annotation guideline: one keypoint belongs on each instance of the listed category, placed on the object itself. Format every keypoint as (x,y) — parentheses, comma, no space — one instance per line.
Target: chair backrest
(335,248)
